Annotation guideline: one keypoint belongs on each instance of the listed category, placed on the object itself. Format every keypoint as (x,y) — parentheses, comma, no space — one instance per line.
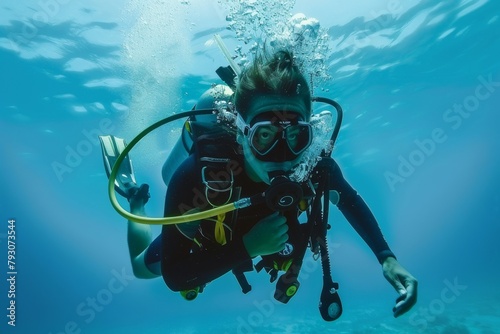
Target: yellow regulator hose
(242,203)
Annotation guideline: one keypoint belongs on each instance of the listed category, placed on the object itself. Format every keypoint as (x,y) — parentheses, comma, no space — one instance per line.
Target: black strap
(239,273)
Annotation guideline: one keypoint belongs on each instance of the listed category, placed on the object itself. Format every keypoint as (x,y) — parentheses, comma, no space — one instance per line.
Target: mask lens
(265,137)
(298,137)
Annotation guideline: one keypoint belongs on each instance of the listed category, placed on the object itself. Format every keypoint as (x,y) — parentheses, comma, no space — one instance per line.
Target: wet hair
(274,74)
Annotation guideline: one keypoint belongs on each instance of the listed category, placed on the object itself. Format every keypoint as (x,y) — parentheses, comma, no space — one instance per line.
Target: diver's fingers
(398,286)
(407,299)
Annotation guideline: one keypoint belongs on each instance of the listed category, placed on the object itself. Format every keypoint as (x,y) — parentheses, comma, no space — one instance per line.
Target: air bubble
(272,23)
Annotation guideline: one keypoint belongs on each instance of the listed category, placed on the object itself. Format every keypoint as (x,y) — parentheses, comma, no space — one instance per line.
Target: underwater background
(419,82)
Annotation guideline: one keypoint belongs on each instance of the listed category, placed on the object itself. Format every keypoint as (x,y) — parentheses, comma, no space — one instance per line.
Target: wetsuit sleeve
(185,266)
(359,215)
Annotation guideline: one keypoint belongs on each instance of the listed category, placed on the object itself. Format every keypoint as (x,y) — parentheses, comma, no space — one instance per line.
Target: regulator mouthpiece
(283,193)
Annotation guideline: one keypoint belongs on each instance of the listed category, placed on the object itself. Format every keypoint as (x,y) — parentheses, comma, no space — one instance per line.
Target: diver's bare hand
(403,282)
(268,236)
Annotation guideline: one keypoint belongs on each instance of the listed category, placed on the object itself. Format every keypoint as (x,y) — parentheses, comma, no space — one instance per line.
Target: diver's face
(273,141)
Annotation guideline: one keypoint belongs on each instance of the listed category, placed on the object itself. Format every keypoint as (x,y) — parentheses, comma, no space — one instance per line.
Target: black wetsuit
(186,264)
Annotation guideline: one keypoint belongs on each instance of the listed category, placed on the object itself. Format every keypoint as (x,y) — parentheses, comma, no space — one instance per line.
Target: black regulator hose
(330,306)
(340,113)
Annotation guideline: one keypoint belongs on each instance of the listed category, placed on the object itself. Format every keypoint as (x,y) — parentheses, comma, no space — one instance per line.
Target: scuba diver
(255,159)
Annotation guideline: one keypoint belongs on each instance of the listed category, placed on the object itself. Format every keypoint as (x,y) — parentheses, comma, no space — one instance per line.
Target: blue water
(420,85)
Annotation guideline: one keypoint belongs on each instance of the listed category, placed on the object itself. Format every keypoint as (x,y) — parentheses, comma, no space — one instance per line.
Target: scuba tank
(184,145)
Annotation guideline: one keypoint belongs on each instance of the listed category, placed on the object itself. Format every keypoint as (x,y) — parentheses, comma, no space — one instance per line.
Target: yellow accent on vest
(187,125)
(286,265)
(197,242)
(275,265)
(303,204)
(220,234)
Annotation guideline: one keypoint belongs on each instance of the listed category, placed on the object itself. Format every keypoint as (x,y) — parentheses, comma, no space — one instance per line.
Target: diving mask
(277,140)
